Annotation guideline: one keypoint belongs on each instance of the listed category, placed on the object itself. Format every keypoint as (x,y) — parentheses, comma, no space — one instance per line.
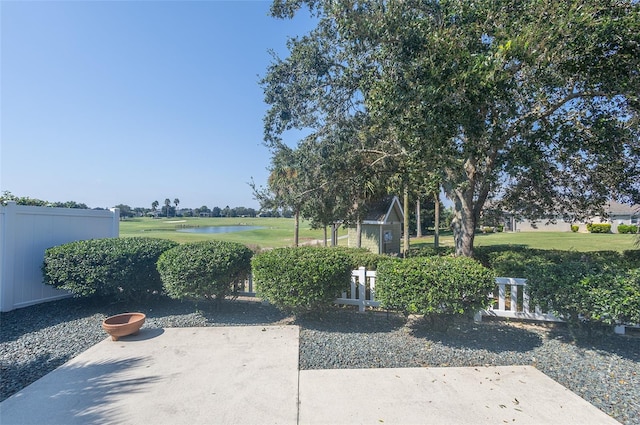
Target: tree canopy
(531,104)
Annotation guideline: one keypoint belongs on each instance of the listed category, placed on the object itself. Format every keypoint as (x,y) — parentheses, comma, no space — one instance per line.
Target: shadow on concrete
(81,394)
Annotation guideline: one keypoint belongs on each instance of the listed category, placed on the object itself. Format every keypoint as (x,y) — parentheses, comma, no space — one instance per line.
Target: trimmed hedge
(521,262)
(627,228)
(599,227)
(585,288)
(362,257)
(204,270)
(121,268)
(584,294)
(575,228)
(430,251)
(303,279)
(611,298)
(434,286)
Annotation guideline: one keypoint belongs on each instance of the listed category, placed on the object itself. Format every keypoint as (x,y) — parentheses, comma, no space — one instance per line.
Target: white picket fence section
(362,291)
(27,231)
(510,300)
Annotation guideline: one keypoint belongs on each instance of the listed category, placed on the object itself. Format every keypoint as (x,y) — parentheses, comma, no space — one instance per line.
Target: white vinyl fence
(362,291)
(27,231)
(509,299)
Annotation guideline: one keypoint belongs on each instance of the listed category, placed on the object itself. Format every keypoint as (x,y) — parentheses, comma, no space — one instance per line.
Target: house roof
(380,211)
(616,208)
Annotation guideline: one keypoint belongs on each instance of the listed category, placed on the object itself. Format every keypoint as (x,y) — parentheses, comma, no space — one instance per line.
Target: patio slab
(451,395)
(230,375)
(249,375)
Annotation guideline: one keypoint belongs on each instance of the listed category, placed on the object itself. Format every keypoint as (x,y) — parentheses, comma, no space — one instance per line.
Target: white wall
(26,232)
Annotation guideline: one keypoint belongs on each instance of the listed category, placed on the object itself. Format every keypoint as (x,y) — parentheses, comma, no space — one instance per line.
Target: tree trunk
(325,236)
(359,233)
(464,225)
(405,239)
(418,221)
(296,228)
(334,234)
(436,221)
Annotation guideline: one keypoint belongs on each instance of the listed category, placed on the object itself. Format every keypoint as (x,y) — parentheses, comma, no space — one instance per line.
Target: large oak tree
(533,103)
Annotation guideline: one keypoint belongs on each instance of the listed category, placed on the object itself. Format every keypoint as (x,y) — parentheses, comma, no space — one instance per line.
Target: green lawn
(277,232)
(544,240)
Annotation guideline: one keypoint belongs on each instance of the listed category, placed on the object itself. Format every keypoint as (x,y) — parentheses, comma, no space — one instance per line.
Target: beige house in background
(617,214)
(381,227)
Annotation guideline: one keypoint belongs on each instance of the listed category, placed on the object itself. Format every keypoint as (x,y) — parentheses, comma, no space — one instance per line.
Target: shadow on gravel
(350,321)
(15,377)
(18,322)
(492,337)
(627,347)
(240,313)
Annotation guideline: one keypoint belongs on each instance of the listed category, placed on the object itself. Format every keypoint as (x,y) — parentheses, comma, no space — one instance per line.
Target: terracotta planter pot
(123,324)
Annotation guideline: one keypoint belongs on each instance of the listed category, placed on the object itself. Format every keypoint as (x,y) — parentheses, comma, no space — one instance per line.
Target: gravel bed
(604,370)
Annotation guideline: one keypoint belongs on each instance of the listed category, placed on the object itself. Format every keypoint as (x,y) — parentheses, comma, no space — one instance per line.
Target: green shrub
(302,279)
(122,268)
(515,263)
(500,228)
(204,270)
(627,228)
(430,251)
(575,228)
(589,289)
(362,257)
(434,286)
(554,287)
(610,298)
(599,227)
(632,258)
(584,292)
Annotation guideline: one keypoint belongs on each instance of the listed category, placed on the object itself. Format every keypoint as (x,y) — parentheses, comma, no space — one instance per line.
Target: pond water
(218,229)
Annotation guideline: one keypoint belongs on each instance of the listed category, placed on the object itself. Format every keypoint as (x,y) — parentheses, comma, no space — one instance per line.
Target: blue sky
(111,103)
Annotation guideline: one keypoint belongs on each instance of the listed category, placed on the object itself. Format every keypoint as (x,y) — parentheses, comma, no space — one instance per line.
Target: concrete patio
(249,375)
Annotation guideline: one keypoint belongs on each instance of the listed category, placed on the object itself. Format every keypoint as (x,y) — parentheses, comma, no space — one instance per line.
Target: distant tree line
(167,210)
(25,200)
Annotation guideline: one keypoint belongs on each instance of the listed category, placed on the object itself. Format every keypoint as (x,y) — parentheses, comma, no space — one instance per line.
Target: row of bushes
(599,287)
(293,279)
(592,288)
(135,268)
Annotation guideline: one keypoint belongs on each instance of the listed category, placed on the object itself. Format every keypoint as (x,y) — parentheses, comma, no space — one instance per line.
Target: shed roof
(380,211)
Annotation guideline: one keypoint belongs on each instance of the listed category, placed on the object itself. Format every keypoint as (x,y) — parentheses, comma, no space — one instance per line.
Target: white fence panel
(26,232)
(518,302)
(363,290)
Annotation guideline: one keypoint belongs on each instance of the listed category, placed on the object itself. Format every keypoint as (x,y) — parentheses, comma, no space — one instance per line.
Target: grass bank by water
(275,232)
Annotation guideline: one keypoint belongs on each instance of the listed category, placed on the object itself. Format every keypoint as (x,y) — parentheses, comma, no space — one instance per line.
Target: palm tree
(154,206)
(282,182)
(167,204)
(176,202)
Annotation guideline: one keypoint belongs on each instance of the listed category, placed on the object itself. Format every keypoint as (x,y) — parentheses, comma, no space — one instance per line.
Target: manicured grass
(277,232)
(544,240)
